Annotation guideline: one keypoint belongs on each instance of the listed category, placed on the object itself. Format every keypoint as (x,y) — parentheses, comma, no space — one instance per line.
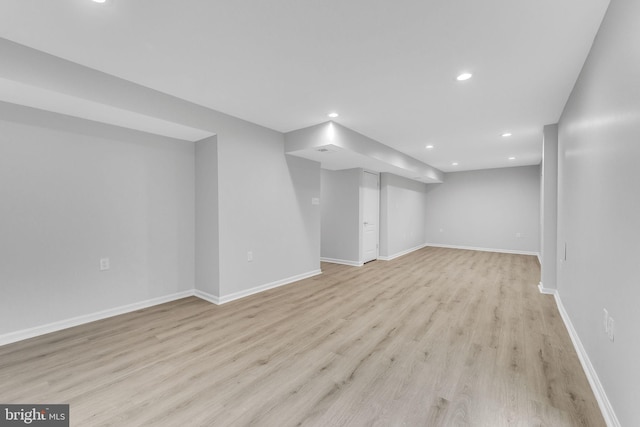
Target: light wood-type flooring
(439,337)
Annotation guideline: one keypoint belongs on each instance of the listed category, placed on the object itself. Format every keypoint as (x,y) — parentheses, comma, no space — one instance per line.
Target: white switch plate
(104,264)
(611,328)
(249,256)
(315,201)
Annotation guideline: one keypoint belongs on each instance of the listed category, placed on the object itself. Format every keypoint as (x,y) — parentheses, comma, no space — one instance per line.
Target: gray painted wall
(250,159)
(402,214)
(265,207)
(549,207)
(207,219)
(599,212)
(75,191)
(340,206)
(485,209)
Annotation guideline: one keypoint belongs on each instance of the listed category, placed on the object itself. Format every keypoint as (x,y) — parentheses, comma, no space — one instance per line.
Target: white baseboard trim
(473,248)
(596,386)
(87,318)
(342,261)
(399,254)
(214,299)
(24,334)
(237,295)
(546,291)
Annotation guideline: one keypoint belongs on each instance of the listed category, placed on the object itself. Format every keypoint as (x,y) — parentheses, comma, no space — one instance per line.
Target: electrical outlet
(611,328)
(606,320)
(249,256)
(104,264)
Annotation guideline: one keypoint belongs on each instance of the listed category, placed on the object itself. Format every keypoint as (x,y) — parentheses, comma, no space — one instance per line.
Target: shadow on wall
(305,182)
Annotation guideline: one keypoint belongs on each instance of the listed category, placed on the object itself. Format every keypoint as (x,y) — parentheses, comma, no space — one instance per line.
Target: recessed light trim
(429,147)
(454,164)
(506,134)
(512,158)
(333,115)
(464,76)
(99,1)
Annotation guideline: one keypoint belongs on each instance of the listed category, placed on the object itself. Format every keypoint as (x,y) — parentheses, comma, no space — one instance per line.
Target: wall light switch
(315,201)
(249,256)
(104,264)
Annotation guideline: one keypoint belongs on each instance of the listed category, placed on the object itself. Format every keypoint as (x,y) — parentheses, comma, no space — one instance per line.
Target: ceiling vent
(329,148)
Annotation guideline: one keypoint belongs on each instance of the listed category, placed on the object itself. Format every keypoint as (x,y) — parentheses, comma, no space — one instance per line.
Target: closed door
(371,214)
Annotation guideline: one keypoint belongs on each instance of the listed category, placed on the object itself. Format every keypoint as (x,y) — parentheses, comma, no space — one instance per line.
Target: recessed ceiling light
(429,147)
(506,134)
(512,158)
(454,164)
(464,76)
(333,115)
(99,1)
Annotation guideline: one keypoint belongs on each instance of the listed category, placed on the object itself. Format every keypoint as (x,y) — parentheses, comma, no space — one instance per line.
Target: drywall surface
(74,192)
(403,208)
(549,207)
(375,155)
(207,252)
(599,210)
(486,209)
(340,202)
(252,213)
(265,208)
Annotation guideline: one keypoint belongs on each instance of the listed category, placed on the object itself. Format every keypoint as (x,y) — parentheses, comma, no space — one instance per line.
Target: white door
(371,213)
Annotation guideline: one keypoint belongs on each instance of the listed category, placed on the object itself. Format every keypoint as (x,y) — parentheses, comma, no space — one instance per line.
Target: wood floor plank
(439,337)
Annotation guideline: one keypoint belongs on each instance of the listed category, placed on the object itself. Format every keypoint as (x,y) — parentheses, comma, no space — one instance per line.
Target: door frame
(362,216)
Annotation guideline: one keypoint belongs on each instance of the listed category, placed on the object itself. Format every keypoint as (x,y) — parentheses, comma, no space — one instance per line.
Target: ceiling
(387,67)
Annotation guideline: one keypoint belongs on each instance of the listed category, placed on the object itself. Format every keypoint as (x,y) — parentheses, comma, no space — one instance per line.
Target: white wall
(340,206)
(403,209)
(73,192)
(599,211)
(485,209)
